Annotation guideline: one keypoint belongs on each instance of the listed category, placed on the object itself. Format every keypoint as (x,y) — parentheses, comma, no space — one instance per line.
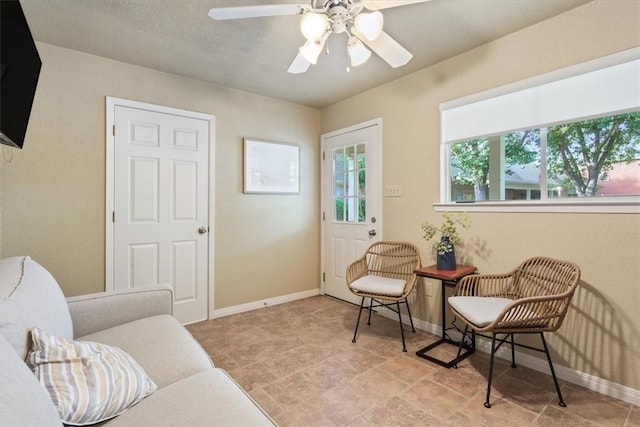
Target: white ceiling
(177,36)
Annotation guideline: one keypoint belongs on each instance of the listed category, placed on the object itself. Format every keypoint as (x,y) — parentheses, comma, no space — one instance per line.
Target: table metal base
(468,350)
(447,278)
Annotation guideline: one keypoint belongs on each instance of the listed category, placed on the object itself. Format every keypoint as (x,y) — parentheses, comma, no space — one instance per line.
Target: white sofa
(190,390)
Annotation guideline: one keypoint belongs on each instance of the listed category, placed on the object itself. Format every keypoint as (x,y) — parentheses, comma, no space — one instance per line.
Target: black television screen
(20,70)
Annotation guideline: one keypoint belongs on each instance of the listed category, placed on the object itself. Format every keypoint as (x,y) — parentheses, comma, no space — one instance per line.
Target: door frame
(111,104)
(374,122)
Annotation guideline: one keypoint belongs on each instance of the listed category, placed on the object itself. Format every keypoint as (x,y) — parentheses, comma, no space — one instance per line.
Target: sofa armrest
(96,312)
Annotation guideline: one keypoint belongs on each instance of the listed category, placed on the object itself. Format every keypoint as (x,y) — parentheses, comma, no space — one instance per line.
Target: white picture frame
(271,167)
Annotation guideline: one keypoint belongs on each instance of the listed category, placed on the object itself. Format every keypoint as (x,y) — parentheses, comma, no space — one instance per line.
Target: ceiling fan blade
(388,49)
(299,65)
(241,12)
(384,4)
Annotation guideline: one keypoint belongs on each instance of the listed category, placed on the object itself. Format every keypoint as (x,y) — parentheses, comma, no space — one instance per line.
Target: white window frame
(491,113)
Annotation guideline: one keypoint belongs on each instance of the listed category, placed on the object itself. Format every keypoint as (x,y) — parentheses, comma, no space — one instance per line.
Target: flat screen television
(20,71)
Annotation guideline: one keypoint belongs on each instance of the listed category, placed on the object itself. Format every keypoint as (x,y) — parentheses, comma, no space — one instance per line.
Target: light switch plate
(394,190)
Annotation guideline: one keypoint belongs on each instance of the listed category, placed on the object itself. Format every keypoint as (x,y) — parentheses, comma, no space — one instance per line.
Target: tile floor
(298,362)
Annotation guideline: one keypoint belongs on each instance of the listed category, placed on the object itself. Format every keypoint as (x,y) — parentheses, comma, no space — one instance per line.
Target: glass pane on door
(349,184)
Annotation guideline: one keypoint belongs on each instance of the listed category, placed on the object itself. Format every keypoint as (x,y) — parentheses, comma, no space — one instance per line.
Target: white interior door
(161,206)
(352,211)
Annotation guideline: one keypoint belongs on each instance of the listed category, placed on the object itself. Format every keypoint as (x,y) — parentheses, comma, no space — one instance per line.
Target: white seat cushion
(210,398)
(142,338)
(479,310)
(379,285)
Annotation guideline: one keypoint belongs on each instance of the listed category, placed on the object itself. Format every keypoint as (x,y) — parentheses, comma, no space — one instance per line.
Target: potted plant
(449,238)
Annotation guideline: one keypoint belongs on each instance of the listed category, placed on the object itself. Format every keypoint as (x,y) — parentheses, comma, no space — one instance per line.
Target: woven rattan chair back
(396,260)
(552,283)
(540,290)
(392,260)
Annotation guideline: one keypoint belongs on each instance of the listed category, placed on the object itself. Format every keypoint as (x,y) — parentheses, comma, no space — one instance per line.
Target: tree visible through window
(470,160)
(584,153)
(578,158)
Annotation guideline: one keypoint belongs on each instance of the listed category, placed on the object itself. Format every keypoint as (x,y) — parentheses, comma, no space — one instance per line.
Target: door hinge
(113,130)
(323,276)
(323,217)
(113,216)
(323,155)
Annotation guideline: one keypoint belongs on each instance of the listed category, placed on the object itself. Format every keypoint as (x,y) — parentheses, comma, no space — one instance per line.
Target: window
(571,137)
(504,167)
(349,184)
(588,158)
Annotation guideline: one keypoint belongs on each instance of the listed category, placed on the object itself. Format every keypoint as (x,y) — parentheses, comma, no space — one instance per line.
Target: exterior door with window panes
(351,201)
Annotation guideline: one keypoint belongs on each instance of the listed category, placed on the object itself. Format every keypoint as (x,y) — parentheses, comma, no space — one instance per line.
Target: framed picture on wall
(271,167)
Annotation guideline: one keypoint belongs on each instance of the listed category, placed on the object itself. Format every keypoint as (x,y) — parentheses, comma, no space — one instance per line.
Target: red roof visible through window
(623,180)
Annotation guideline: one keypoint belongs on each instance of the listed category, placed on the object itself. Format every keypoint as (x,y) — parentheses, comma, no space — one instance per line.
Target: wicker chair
(385,275)
(532,299)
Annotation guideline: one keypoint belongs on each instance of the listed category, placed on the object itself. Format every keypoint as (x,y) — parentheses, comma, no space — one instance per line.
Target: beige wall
(53,192)
(601,335)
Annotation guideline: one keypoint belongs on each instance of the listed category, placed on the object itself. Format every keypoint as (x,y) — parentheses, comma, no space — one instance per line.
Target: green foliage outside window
(350,197)
(579,154)
(471,158)
(582,152)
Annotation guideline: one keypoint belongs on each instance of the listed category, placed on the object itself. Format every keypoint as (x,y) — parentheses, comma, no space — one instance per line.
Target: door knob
(202,230)
(372,233)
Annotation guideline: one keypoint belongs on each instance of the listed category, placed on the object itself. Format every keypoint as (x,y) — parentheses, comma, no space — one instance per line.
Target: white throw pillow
(88,382)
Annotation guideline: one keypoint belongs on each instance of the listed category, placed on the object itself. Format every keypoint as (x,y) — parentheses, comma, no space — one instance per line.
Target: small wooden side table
(447,278)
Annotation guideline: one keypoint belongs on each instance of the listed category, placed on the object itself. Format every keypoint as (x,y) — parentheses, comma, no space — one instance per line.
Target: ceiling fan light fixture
(311,50)
(358,53)
(314,25)
(369,24)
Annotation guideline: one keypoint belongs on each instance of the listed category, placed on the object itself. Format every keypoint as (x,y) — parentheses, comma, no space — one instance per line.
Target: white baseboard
(591,382)
(242,308)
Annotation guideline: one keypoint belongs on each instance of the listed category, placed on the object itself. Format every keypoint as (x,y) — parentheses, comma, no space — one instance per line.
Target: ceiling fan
(321,18)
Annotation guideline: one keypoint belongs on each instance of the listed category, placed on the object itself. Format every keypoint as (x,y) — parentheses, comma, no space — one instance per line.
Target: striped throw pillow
(88,382)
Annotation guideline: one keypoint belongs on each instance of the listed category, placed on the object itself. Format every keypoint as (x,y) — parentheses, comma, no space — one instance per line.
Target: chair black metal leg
(370,310)
(464,335)
(404,346)
(513,352)
(358,322)
(493,352)
(406,301)
(553,372)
